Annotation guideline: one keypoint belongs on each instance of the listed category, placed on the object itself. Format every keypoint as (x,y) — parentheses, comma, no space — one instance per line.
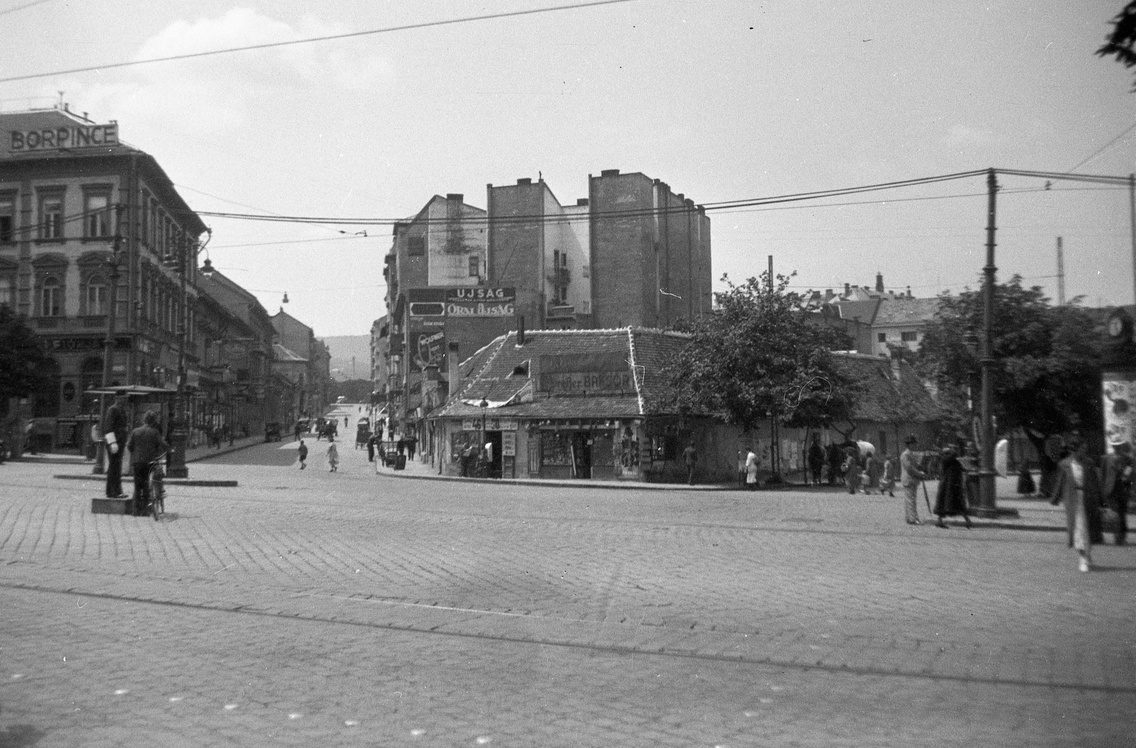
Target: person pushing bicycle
(146,445)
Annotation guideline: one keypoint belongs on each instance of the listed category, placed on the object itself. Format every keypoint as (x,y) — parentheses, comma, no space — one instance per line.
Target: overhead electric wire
(1104,147)
(25,6)
(314,39)
(724,206)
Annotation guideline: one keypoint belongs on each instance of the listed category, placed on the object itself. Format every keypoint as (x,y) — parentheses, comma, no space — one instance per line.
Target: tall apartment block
(631,253)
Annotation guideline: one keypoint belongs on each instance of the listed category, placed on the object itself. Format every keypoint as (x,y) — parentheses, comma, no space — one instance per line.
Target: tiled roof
(906,311)
(864,311)
(489,373)
(880,396)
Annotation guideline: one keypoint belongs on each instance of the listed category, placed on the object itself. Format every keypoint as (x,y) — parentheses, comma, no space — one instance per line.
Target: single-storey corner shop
(582,404)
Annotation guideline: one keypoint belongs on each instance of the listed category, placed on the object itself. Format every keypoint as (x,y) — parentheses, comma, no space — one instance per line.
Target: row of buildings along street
(534,332)
(110,267)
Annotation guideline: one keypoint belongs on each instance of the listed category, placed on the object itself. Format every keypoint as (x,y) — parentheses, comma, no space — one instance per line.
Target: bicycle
(156,487)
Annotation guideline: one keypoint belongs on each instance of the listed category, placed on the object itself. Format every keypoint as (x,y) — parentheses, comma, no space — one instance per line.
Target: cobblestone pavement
(311,608)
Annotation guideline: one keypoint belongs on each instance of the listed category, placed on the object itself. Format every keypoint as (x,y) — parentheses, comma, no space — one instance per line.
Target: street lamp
(179,430)
(987,501)
(108,344)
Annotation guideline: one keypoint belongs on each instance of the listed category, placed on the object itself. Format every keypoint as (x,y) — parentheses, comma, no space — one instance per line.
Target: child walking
(303,455)
(332,454)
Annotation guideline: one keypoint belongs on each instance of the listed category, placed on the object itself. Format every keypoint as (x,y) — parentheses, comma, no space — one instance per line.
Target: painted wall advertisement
(587,374)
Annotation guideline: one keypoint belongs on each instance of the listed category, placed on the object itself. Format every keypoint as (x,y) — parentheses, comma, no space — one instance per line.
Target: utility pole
(987,489)
(1132,222)
(108,344)
(1060,274)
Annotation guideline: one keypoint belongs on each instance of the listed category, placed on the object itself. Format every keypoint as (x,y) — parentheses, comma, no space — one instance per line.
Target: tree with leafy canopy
(22,358)
(760,354)
(1121,43)
(1046,361)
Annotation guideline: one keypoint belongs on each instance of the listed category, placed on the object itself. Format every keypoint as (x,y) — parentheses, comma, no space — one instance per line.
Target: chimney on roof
(895,369)
(453,367)
(880,282)
(581,201)
(828,294)
(455,197)
(524,182)
(521,331)
(609,173)
(847,289)
(909,292)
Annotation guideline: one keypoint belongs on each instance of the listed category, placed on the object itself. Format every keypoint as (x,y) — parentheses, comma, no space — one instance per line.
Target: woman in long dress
(950,499)
(751,469)
(1078,486)
(332,454)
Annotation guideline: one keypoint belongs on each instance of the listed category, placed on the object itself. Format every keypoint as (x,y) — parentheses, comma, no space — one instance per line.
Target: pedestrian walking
(835,457)
(411,445)
(970,461)
(332,455)
(889,476)
(116,427)
(371,448)
(690,459)
(951,498)
(467,460)
(851,468)
(1116,485)
(872,469)
(1078,487)
(1026,485)
(344,423)
(751,469)
(816,459)
(146,445)
(910,475)
(303,454)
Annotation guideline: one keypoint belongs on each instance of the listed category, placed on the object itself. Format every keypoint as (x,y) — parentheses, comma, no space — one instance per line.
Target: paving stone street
(361,608)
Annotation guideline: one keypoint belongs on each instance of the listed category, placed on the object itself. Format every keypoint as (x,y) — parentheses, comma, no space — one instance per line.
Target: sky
(724,101)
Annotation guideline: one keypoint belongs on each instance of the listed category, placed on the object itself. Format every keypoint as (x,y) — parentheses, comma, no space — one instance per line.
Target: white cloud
(221,93)
(965,136)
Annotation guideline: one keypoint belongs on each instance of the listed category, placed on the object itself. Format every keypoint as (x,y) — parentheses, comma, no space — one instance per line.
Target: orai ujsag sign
(478,301)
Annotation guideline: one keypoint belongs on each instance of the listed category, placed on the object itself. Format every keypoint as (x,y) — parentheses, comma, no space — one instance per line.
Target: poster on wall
(1118,390)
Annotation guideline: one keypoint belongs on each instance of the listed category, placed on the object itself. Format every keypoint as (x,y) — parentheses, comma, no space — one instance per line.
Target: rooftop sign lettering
(63,138)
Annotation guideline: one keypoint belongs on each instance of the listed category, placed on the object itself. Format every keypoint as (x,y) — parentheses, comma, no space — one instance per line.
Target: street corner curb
(168,481)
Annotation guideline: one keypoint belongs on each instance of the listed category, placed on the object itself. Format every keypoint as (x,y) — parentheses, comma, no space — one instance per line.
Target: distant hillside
(344,348)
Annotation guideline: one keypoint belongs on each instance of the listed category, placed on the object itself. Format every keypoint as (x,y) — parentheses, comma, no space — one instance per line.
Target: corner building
(71,194)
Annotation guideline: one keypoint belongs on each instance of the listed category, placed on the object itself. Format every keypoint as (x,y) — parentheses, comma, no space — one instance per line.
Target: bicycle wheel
(157,500)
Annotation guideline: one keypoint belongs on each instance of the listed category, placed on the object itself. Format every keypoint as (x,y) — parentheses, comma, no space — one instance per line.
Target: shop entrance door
(582,454)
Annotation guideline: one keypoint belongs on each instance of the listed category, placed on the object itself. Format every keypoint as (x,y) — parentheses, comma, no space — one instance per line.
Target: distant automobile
(341,399)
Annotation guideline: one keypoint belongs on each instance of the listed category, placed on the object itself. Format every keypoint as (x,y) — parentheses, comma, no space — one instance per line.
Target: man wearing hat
(116,426)
(1117,484)
(909,476)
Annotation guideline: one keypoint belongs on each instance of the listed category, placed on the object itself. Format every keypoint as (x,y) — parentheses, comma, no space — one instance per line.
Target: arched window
(51,297)
(96,296)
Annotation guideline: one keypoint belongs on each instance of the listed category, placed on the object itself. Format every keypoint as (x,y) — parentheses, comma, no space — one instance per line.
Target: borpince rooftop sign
(72,137)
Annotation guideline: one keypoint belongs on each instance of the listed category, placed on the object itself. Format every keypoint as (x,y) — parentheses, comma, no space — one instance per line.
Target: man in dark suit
(116,427)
